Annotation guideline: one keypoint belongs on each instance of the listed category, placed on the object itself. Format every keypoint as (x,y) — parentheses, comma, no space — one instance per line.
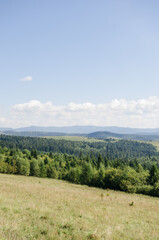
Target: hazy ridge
(148,134)
(86,129)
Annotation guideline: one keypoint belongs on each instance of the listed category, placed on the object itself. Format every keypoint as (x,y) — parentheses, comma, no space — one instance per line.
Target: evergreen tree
(101,176)
(154,175)
(99,160)
(87,173)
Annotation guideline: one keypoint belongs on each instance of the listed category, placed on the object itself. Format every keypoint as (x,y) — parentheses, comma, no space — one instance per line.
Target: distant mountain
(141,137)
(32,133)
(90,129)
(4,129)
(70,130)
(104,135)
(38,134)
(147,134)
(98,135)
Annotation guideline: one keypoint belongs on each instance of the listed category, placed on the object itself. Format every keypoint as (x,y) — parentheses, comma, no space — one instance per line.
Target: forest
(123,165)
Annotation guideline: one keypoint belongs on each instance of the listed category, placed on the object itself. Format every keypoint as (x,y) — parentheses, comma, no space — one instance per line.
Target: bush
(156,189)
(34,168)
(145,189)
(74,175)
(113,178)
(126,186)
(23,166)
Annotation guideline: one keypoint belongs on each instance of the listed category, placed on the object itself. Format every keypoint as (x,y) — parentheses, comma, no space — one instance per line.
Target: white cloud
(26,79)
(6,122)
(119,112)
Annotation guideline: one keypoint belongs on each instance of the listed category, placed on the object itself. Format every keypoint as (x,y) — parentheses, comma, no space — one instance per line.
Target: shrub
(144,189)
(74,175)
(34,168)
(126,186)
(156,189)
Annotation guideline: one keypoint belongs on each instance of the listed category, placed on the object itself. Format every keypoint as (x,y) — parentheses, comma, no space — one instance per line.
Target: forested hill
(120,165)
(110,149)
(105,135)
(125,165)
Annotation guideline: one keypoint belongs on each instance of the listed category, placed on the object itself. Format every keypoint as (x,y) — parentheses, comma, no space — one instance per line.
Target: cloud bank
(118,112)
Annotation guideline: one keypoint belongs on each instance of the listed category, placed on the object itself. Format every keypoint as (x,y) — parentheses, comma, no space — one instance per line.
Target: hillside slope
(33,208)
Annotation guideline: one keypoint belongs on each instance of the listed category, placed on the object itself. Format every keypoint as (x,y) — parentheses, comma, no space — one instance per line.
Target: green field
(75,138)
(33,208)
(156,144)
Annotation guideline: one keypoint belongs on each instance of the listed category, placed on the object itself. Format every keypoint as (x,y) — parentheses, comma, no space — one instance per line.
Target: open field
(156,144)
(75,138)
(34,208)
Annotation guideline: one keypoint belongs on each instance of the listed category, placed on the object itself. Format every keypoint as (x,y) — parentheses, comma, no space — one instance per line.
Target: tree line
(129,176)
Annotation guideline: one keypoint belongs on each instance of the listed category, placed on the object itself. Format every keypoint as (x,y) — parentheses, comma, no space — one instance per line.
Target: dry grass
(33,208)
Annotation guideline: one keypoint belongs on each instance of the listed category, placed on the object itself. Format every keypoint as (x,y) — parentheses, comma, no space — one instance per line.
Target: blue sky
(68,62)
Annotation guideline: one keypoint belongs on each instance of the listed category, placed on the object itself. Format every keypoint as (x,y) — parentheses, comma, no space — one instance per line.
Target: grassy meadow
(156,144)
(75,138)
(35,208)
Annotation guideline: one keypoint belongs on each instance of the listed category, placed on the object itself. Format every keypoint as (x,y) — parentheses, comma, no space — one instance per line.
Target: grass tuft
(131,204)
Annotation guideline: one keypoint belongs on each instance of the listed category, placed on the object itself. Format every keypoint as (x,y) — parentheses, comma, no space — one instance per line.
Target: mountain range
(147,134)
(86,130)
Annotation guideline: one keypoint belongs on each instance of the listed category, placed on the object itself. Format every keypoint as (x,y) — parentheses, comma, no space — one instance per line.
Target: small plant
(102,196)
(4,209)
(92,237)
(43,232)
(44,217)
(131,204)
(66,226)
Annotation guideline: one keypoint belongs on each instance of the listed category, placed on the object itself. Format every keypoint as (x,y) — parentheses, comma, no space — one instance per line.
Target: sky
(79,62)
